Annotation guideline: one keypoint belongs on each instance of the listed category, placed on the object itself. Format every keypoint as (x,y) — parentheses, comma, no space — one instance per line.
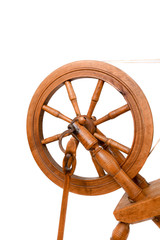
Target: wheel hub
(87,122)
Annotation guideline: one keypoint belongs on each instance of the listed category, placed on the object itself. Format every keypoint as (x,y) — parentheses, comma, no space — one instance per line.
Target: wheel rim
(143,125)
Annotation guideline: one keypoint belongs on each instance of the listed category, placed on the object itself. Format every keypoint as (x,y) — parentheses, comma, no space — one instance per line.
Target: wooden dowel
(63,208)
(53,138)
(113,143)
(56,113)
(50,139)
(113,114)
(95,97)
(72,97)
(70,148)
(99,169)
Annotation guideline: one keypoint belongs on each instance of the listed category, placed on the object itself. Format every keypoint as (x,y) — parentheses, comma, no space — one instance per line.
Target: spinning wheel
(106,153)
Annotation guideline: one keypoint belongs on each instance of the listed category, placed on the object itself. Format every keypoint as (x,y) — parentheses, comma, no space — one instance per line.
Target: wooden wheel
(135,102)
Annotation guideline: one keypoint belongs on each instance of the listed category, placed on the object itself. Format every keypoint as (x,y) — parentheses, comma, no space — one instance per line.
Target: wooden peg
(82,120)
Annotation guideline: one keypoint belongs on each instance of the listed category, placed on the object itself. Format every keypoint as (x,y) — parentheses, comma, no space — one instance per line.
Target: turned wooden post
(121,231)
(107,161)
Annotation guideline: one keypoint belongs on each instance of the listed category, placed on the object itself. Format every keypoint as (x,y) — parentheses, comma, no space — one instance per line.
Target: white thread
(154,146)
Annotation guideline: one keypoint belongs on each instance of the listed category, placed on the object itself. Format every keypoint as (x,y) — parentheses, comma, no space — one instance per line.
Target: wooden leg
(121,231)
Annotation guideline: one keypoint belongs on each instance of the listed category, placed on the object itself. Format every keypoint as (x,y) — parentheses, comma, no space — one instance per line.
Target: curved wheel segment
(136,103)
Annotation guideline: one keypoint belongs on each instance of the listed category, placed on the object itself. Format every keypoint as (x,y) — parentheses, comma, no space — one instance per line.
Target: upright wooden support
(107,161)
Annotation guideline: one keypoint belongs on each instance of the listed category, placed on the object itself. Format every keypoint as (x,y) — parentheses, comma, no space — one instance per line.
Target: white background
(36,38)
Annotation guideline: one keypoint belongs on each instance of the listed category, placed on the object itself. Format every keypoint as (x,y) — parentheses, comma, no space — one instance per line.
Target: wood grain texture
(52,139)
(112,143)
(147,208)
(107,162)
(63,208)
(56,113)
(95,97)
(72,97)
(121,231)
(143,125)
(99,168)
(113,114)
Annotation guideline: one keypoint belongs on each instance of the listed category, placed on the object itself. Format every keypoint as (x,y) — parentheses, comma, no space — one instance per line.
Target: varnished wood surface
(135,99)
(56,113)
(113,114)
(95,97)
(147,208)
(63,208)
(112,143)
(121,231)
(72,97)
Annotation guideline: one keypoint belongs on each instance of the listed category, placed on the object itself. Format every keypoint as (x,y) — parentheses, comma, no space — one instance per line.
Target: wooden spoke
(53,138)
(112,143)
(113,114)
(72,97)
(56,113)
(95,97)
(99,169)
